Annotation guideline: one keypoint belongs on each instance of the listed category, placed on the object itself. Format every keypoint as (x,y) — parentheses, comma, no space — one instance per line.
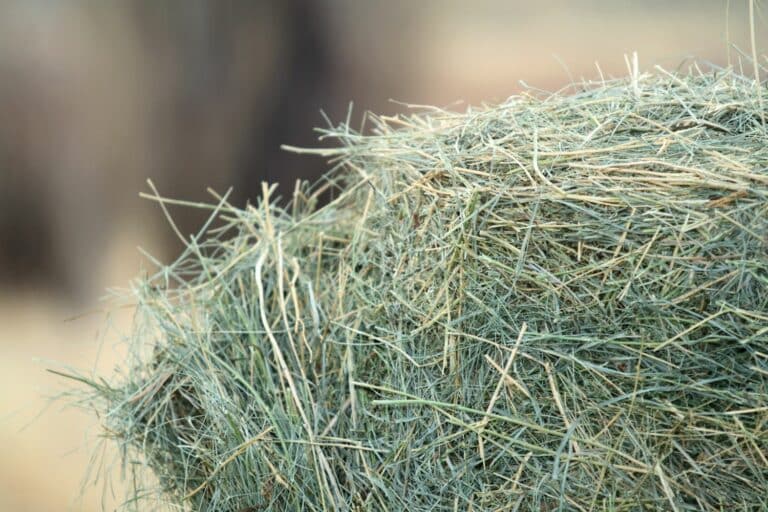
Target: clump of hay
(558,302)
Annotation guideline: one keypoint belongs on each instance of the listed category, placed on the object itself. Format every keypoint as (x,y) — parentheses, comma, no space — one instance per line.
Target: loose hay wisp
(559,302)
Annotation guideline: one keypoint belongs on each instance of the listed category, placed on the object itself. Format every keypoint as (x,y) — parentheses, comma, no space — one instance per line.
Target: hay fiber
(555,303)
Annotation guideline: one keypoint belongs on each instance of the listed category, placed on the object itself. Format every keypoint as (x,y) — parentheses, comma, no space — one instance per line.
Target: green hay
(556,303)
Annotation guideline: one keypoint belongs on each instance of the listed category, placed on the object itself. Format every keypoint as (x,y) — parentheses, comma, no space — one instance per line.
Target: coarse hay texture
(555,303)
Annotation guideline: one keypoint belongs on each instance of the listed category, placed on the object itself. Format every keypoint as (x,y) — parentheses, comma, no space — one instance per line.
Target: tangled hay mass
(555,303)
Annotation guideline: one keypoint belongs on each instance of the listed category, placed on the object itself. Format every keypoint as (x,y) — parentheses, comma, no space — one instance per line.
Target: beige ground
(46,447)
(44,456)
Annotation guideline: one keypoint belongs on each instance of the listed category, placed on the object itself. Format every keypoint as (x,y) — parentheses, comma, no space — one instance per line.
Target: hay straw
(555,303)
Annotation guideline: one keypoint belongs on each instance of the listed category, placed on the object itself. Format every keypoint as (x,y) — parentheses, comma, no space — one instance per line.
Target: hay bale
(558,302)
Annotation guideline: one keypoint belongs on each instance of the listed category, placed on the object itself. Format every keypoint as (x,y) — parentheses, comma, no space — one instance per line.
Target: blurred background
(97,97)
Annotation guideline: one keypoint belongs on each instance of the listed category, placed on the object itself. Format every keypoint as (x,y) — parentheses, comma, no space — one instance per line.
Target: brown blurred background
(96,97)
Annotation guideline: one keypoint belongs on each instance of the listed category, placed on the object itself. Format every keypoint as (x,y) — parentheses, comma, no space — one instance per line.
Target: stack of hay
(556,303)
